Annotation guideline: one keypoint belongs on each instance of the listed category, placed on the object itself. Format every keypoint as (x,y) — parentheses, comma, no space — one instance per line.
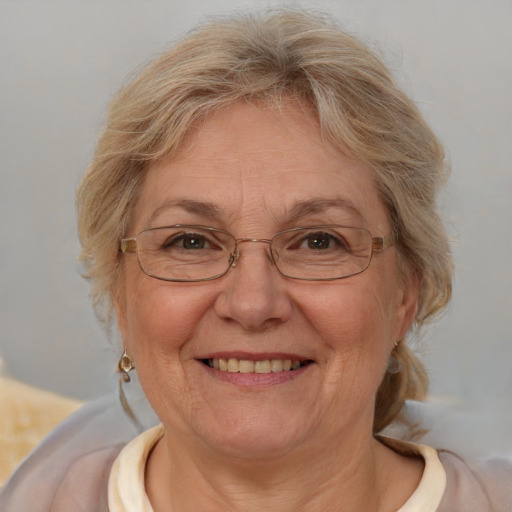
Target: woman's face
(253,172)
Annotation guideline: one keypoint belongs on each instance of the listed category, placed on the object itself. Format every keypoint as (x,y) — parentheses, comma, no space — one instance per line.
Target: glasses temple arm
(128,245)
(380,243)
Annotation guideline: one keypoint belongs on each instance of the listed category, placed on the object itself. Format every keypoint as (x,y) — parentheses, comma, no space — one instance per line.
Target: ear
(408,305)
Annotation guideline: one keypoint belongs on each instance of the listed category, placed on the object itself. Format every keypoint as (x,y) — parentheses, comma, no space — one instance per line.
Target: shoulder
(476,486)
(69,470)
(85,485)
(80,486)
(468,485)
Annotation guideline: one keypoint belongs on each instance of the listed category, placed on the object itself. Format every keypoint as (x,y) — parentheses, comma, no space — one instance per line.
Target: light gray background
(62,60)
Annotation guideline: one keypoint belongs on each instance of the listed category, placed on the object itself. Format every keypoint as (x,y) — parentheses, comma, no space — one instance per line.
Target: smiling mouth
(233,365)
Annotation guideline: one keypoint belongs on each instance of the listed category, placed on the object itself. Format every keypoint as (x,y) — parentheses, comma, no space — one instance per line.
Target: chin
(254,436)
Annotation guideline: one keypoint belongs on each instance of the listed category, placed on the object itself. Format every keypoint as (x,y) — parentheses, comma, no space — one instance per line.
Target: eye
(319,241)
(193,241)
(187,241)
(322,241)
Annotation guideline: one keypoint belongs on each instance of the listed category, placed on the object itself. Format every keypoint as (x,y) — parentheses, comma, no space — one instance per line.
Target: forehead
(256,161)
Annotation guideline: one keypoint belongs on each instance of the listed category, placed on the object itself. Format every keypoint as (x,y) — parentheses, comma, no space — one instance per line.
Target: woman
(260,215)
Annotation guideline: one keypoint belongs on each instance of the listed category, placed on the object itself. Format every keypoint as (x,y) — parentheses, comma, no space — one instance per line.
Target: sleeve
(69,469)
(480,486)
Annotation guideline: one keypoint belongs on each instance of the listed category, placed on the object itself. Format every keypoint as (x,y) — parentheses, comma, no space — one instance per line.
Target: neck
(353,475)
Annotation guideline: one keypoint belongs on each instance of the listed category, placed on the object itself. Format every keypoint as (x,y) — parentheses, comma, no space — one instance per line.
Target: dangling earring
(394,365)
(125,366)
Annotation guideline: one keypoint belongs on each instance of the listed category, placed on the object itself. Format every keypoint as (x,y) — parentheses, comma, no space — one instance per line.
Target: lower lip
(255,380)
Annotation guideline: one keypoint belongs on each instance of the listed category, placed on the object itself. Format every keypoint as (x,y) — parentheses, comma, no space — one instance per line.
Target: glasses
(198,253)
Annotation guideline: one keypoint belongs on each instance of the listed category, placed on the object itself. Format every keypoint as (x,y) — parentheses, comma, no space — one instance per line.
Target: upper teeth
(248,366)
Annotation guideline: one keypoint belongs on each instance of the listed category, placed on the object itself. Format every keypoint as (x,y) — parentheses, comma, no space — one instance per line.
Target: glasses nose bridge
(238,241)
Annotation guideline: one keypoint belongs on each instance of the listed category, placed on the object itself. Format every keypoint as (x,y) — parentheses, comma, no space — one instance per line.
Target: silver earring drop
(125,366)
(394,365)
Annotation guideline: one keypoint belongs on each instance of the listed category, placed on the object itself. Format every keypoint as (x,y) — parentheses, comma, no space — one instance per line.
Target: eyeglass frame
(379,244)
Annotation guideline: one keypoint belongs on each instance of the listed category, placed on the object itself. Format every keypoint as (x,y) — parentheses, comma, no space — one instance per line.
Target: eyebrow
(320,205)
(201,208)
(299,210)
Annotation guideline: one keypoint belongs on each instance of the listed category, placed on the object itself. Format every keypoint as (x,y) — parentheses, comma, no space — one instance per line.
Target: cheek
(161,317)
(160,321)
(355,324)
(351,314)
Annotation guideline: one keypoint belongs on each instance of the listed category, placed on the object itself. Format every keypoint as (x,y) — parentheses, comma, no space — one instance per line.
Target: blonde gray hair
(267,57)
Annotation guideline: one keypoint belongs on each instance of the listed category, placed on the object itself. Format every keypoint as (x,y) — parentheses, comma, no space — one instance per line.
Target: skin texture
(307,435)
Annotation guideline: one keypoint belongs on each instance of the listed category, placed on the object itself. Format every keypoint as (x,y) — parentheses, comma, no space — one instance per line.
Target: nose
(253,291)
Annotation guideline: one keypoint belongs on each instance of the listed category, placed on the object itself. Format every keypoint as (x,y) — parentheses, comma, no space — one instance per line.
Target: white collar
(127,493)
